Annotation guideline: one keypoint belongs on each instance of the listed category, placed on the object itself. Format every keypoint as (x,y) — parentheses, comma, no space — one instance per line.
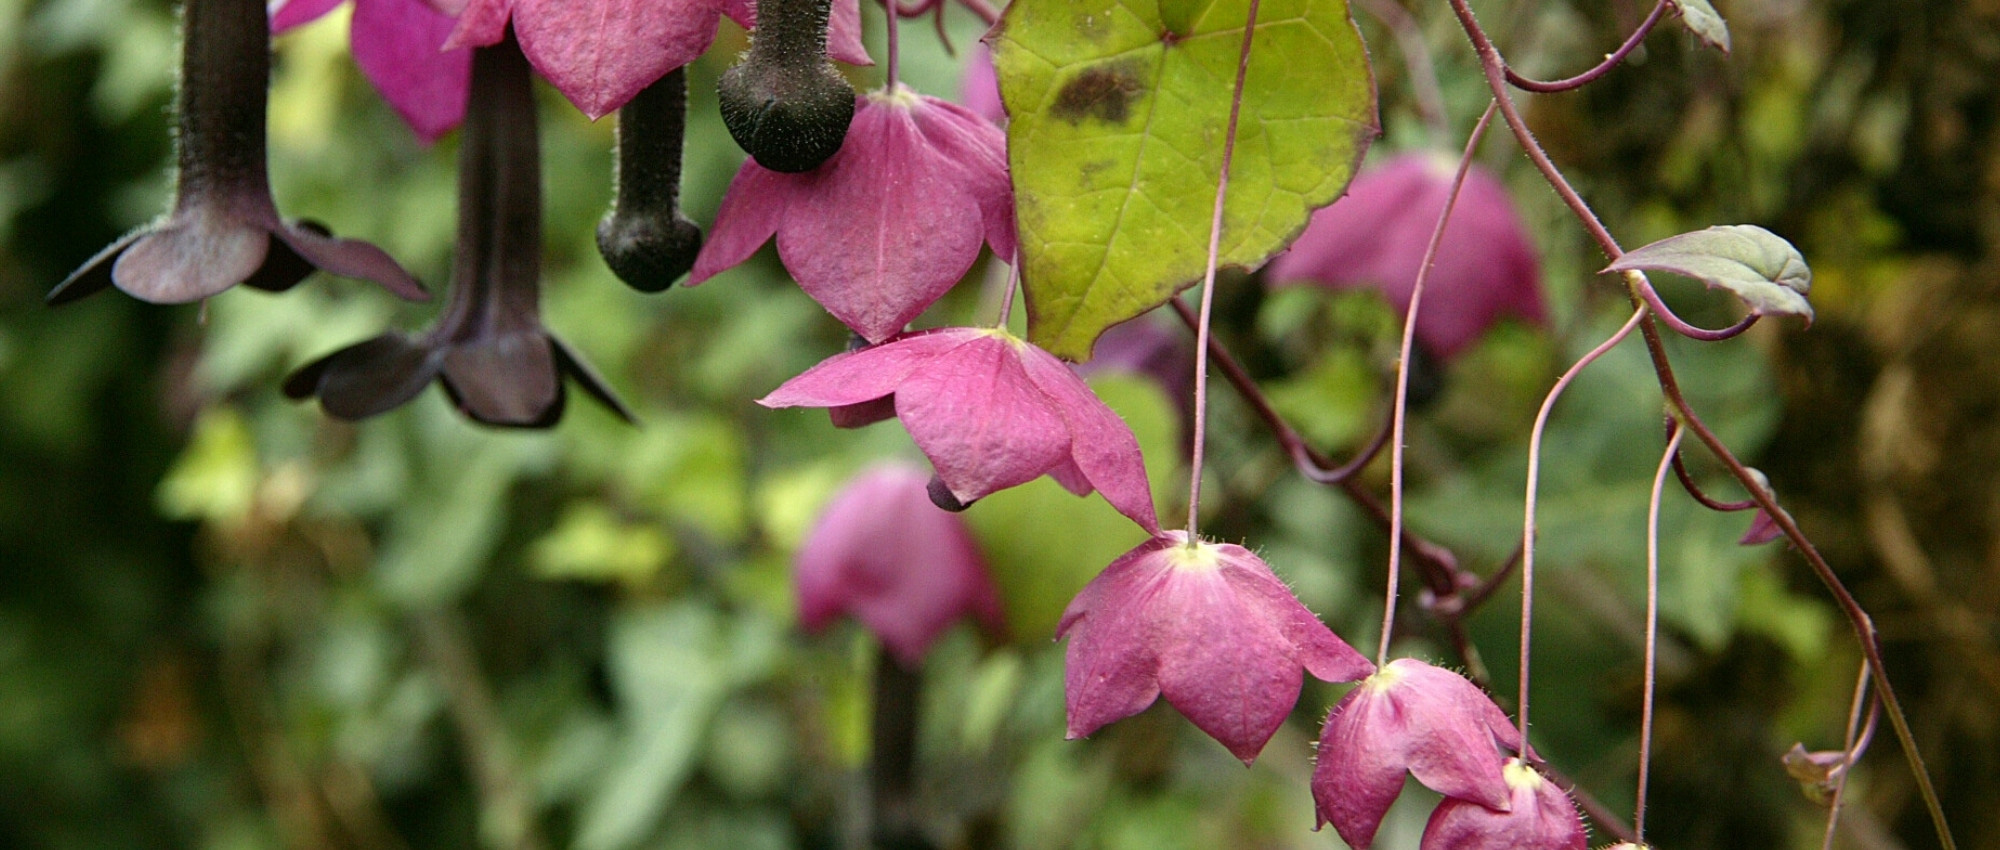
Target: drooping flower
(224,228)
(1375,237)
(889,223)
(906,569)
(1409,716)
(1206,625)
(489,349)
(990,411)
(1539,816)
(398,45)
(599,53)
(645,239)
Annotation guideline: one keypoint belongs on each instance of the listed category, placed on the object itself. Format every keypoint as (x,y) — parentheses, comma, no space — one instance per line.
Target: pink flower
(888,224)
(1206,625)
(600,53)
(990,411)
(1539,816)
(1409,716)
(399,46)
(907,570)
(979,88)
(1375,238)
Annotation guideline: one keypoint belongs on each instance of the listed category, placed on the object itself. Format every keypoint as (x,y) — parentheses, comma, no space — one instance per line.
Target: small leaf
(1760,267)
(1119,110)
(1702,20)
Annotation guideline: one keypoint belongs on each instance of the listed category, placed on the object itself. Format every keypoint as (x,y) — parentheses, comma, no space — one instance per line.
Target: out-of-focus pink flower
(990,411)
(888,224)
(907,570)
(399,46)
(1539,816)
(1409,716)
(979,88)
(1209,627)
(1375,238)
(599,53)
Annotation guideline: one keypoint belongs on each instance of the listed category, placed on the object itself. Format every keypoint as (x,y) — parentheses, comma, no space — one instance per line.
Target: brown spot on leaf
(1105,93)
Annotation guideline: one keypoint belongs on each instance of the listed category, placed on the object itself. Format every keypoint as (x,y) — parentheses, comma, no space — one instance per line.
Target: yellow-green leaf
(1118,114)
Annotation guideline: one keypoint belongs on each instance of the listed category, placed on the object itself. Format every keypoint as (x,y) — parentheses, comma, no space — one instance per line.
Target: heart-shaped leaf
(1702,20)
(1119,108)
(1759,266)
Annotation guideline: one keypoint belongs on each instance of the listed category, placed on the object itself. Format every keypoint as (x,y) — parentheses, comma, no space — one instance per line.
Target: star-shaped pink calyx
(1375,238)
(990,411)
(398,45)
(1206,625)
(599,53)
(906,569)
(1539,816)
(1409,716)
(888,224)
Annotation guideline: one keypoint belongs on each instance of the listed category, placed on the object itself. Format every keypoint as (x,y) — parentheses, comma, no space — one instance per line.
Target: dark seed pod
(942,496)
(784,103)
(645,239)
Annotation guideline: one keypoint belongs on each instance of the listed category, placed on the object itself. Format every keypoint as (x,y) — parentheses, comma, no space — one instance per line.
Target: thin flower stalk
(1400,409)
(1652,631)
(1208,277)
(1534,483)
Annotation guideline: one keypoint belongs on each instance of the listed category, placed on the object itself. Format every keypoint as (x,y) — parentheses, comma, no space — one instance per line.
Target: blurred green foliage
(228,622)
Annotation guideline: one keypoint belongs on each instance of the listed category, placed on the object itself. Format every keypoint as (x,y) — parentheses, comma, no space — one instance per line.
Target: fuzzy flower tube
(888,224)
(489,350)
(224,228)
(1206,625)
(645,239)
(990,410)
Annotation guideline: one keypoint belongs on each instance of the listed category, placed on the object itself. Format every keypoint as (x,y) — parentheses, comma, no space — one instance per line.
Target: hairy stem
(1399,409)
(1611,60)
(1208,276)
(1652,631)
(1528,513)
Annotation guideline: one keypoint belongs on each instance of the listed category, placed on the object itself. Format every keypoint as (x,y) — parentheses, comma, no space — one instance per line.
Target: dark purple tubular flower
(990,411)
(398,45)
(1375,237)
(489,350)
(1539,816)
(1409,716)
(224,228)
(889,223)
(1206,625)
(884,554)
(645,239)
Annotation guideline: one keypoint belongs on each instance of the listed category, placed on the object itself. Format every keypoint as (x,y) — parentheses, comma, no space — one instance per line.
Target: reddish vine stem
(1693,489)
(1611,61)
(1681,326)
(1495,69)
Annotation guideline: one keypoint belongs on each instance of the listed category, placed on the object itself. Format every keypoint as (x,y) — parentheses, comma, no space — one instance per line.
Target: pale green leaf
(1118,114)
(1758,266)
(1702,20)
